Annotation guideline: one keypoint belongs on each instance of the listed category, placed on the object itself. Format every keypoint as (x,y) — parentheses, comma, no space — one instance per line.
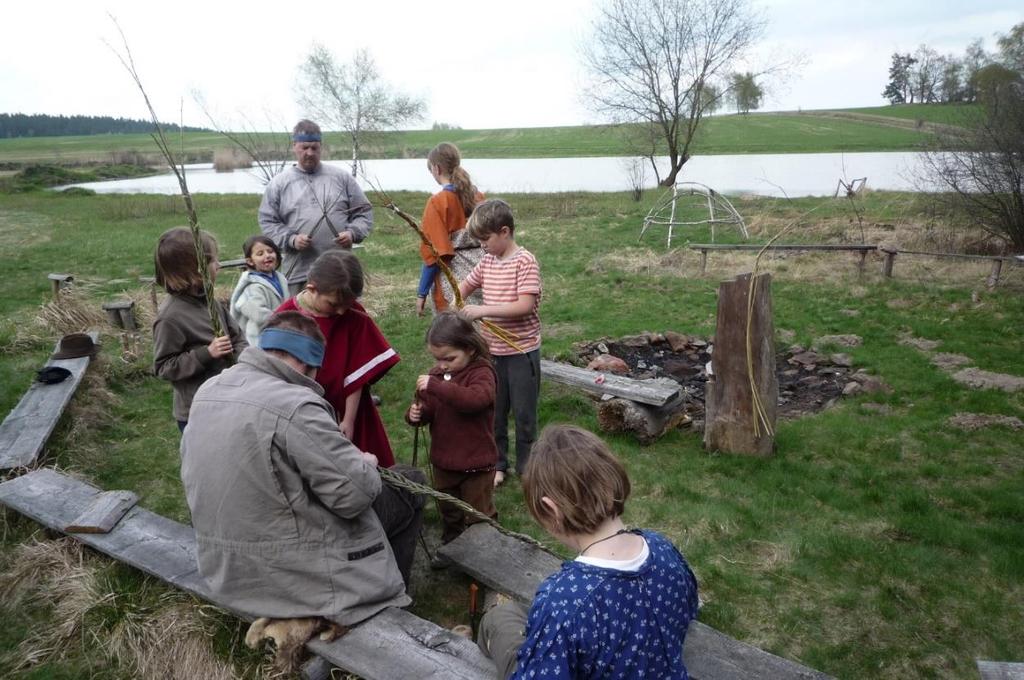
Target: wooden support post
(734,422)
(993,277)
(863,260)
(121,313)
(887,265)
(703,261)
(59,281)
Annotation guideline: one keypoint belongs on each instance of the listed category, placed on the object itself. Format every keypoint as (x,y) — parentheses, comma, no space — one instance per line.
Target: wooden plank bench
(517,568)
(861,248)
(26,428)
(392,644)
(993,278)
(646,408)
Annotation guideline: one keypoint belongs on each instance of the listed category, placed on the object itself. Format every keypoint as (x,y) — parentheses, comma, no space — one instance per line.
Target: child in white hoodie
(261,288)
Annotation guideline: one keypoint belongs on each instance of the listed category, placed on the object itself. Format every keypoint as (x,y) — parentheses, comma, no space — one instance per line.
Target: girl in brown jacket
(456,398)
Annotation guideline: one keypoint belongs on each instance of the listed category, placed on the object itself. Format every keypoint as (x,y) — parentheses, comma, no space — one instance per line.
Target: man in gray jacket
(311,207)
(291,519)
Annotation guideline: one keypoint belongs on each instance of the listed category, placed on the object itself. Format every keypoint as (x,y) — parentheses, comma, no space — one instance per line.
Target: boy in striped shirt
(509,277)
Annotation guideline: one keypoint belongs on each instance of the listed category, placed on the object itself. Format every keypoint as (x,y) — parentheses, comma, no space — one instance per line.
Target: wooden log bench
(994,273)
(861,248)
(516,568)
(392,644)
(58,282)
(647,408)
(25,430)
(121,314)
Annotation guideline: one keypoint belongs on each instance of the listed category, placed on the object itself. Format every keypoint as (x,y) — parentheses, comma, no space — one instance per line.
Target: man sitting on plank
(291,519)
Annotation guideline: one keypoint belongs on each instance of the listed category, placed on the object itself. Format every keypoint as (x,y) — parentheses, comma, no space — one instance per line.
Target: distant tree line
(41,125)
(927,77)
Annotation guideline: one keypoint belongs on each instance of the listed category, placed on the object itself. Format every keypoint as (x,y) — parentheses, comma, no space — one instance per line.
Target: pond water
(764,174)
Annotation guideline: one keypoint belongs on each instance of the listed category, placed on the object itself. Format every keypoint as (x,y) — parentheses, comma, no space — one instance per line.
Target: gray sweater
(294,203)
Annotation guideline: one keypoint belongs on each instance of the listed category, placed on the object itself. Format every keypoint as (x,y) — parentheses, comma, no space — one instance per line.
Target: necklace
(601,540)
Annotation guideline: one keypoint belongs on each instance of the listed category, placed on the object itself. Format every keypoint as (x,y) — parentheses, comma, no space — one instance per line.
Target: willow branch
(499,332)
(160,139)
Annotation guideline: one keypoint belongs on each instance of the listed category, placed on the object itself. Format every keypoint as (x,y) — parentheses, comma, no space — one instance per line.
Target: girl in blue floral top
(622,607)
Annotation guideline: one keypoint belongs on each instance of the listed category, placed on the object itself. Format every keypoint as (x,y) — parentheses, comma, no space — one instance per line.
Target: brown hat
(75,345)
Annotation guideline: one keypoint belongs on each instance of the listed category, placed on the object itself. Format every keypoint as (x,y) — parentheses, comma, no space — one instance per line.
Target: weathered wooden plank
(103,513)
(149,542)
(501,562)
(1000,670)
(26,428)
(655,391)
(517,568)
(398,644)
(393,644)
(853,247)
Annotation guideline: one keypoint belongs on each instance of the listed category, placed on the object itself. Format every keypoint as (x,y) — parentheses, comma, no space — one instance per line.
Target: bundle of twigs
(386,202)
(179,172)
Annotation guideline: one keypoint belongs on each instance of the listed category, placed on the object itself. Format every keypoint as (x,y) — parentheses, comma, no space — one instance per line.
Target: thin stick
(160,139)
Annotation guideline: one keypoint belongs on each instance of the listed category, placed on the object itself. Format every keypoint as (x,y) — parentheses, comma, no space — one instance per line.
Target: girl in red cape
(357,354)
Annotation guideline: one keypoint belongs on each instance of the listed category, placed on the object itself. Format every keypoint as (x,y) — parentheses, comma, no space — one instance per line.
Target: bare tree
(975,59)
(269,151)
(984,167)
(650,62)
(1011,48)
(951,81)
(926,75)
(352,97)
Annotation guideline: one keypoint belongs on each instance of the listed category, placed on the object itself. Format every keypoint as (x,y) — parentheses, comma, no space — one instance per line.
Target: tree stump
(732,424)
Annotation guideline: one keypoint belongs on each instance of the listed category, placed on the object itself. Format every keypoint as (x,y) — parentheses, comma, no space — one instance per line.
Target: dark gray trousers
(401,514)
(518,392)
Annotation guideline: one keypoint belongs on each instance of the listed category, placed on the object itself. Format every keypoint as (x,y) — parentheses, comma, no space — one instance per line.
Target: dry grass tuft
(676,262)
(170,643)
(53,572)
(72,312)
(168,639)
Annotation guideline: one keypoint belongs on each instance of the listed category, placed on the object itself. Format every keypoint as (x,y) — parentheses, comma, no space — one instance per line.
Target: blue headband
(301,346)
(306,137)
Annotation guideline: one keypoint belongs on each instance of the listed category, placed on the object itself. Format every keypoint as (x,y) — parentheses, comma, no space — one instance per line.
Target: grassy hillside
(726,134)
(944,114)
(880,541)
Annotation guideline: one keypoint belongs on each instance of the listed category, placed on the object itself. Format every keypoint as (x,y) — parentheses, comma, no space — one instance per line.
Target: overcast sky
(478,64)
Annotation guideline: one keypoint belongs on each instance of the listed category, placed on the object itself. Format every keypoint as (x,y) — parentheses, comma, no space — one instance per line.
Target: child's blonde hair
(446,156)
(177,269)
(489,217)
(338,271)
(452,329)
(576,470)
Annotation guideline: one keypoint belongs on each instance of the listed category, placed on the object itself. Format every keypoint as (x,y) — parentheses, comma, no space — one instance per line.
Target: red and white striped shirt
(503,281)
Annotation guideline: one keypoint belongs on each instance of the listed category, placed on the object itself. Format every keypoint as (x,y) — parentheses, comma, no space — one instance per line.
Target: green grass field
(946,114)
(879,542)
(725,134)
